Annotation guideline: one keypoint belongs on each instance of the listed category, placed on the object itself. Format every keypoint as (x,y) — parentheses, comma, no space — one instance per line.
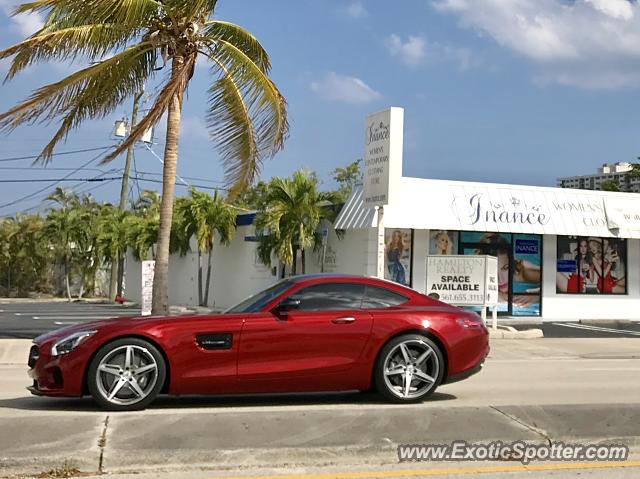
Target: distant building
(616,172)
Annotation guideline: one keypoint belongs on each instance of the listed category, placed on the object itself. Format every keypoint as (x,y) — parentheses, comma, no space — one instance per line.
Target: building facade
(614,172)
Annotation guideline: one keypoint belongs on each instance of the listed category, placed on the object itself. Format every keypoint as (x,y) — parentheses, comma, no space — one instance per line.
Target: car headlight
(71,342)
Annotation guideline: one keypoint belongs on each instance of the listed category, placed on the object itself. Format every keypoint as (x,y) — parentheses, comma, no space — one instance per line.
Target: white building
(562,254)
(615,172)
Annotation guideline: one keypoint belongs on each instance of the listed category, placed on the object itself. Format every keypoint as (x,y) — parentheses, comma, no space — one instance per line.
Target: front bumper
(55,376)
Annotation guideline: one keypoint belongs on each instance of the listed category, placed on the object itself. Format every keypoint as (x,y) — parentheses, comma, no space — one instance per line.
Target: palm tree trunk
(304,261)
(113,278)
(199,278)
(160,303)
(66,278)
(120,288)
(294,266)
(209,267)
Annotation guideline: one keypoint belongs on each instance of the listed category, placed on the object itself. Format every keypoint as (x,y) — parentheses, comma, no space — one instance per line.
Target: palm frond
(127,13)
(242,39)
(93,92)
(246,115)
(175,86)
(191,8)
(92,41)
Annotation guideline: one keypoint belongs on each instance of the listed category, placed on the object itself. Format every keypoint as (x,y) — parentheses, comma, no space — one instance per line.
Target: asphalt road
(570,390)
(28,320)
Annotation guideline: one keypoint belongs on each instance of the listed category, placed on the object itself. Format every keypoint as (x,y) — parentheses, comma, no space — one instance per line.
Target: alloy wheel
(127,375)
(411,369)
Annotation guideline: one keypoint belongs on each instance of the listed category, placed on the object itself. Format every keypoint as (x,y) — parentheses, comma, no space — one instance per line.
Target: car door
(323,337)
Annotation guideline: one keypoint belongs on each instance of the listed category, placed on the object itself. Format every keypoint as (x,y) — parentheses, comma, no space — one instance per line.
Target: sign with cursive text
(383,156)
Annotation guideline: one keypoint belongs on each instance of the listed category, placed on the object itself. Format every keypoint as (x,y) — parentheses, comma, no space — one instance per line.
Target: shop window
(443,242)
(591,265)
(519,272)
(398,255)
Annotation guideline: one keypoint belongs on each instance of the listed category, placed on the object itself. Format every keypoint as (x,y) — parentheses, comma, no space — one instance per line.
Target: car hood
(123,322)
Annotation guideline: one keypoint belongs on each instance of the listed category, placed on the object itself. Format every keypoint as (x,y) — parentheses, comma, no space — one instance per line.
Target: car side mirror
(285,306)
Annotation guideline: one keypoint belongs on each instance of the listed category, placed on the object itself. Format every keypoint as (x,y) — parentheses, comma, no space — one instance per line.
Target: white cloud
(585,43)
(25,24)
(411,52)
(417,50)
(345,89)
(356,10)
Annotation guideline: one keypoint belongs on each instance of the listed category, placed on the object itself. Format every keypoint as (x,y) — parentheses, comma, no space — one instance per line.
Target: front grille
(34,354)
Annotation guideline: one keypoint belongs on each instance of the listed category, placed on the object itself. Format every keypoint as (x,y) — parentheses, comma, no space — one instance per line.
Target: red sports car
(305,333)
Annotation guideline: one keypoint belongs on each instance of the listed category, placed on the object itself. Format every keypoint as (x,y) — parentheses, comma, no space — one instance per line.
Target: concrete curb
(507,334)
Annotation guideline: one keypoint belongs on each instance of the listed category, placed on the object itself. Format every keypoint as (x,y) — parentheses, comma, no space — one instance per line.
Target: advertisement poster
(148,271)
(590,265)
(397,257)
(519,274)
(443,242)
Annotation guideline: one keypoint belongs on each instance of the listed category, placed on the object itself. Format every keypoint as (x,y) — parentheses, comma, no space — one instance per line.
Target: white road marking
(63,323)
(598,328)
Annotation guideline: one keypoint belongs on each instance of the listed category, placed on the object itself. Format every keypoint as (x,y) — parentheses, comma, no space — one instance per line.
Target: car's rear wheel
(409,368)
(126,375)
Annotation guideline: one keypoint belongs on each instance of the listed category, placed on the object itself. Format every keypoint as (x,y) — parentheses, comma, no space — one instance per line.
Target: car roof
(313,277)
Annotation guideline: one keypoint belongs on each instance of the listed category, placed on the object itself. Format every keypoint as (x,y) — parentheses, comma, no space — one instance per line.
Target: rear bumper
(465,374)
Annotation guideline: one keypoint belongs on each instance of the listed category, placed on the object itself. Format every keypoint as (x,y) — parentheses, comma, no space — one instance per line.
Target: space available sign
(463,280)
(383,156)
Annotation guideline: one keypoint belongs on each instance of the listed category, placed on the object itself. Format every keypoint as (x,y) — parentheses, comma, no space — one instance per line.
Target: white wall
(583,306)
(237,272)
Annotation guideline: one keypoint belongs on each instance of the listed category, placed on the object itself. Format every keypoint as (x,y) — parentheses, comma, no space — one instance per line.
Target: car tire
(401,361)
(126,375)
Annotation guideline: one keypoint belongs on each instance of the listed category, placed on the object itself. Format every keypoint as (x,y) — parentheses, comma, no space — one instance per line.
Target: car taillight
(471,322)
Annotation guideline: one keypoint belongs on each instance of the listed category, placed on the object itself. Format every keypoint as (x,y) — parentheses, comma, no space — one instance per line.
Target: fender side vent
(214,341)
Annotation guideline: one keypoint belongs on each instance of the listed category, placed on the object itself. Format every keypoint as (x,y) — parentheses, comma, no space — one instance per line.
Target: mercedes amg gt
(306,333)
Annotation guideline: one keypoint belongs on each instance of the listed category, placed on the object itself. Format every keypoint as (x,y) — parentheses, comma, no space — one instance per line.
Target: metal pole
(117,263)
(127,165)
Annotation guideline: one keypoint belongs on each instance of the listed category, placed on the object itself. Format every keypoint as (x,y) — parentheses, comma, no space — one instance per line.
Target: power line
(31,195)
(59,180)
(183,184)
(33,157)
(206,180)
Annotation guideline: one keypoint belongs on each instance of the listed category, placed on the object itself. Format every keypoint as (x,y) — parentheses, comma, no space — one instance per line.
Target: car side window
(377,297)
(330,296)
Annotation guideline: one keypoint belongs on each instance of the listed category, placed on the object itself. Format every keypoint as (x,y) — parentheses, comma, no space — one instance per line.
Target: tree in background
(289,219)
(123,43)
(205,217)
(347,178)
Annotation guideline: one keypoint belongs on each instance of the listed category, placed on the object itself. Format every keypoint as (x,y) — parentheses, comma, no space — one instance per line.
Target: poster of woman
(397,258)
(443,242)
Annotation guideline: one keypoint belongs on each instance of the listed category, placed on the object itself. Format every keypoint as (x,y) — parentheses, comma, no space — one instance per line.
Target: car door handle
(345,320)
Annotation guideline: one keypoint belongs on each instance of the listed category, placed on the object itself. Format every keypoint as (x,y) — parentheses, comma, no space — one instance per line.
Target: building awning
(468,206)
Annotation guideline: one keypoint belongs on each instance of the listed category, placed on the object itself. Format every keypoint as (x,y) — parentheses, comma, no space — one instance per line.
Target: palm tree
(205,217)
(246,113)
(289,220)
(59,229)
(85,230)
(113,235)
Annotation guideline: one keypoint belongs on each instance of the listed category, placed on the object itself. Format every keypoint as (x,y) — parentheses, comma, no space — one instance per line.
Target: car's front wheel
(409,368)
(126,375)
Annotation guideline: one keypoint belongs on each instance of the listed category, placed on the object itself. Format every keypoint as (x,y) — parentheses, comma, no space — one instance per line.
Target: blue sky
(513,91)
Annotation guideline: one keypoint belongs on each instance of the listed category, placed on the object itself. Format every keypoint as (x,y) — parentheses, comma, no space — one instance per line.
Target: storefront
(562,254)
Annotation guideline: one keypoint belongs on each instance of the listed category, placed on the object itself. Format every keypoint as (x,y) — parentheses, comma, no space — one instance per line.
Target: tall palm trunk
(294,265)
(208,282)
(160,303)
(199,278)
(66,277)
(304,261)
(113,278)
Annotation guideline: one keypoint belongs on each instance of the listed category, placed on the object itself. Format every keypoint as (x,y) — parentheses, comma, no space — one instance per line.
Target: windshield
(259,300)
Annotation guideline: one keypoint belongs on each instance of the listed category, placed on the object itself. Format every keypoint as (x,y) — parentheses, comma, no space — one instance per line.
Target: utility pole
(117,268)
